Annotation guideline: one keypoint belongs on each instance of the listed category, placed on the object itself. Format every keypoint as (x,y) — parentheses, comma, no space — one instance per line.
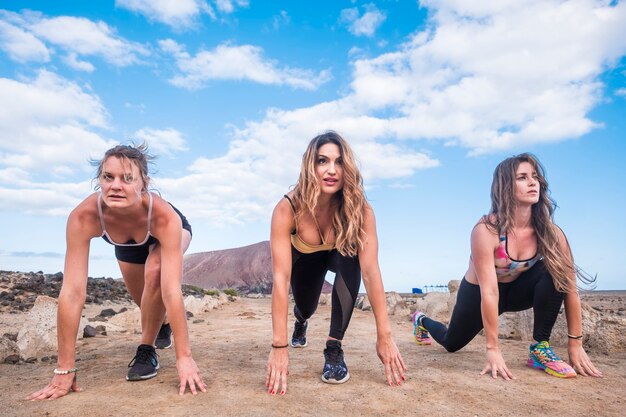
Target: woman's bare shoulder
(484,231)
(85,218)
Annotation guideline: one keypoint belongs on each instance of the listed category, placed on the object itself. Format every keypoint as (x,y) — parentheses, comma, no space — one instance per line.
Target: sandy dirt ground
(231,346)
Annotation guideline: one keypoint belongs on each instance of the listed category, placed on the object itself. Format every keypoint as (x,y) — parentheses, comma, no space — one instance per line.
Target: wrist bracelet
(69,371)
(279,347)
(575,337)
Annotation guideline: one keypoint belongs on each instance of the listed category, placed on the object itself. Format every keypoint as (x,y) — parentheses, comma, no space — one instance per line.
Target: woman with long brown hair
(150,236)
(520,259)
(325,224)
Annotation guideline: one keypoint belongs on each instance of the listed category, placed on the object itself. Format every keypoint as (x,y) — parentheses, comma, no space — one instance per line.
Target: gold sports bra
(302,246)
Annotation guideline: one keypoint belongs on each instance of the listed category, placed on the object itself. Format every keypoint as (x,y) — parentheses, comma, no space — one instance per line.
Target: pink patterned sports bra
(507,266)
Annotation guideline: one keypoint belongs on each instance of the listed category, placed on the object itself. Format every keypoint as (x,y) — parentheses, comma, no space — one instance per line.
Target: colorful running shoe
(164,338)
(419,332)
(335,369)
(541,356)
(144,365)
(298,338)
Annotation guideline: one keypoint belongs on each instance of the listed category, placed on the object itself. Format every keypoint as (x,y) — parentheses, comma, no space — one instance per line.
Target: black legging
(307,278)
(533,288)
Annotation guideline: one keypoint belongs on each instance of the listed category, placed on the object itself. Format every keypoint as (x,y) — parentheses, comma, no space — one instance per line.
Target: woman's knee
(452,348)
(152,277)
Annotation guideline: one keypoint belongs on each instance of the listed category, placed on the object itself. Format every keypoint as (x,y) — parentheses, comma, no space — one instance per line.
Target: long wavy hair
(130,154)
(560,265)
(350,201)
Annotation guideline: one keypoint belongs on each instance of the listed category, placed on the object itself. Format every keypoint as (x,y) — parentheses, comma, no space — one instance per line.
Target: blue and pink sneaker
(541,356)
(419,332)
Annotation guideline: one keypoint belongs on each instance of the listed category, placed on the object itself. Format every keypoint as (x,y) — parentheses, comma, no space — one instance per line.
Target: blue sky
(431,94)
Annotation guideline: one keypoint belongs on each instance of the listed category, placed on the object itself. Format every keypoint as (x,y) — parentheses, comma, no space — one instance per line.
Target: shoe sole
(532,363)
(297,346)
(164,347)
(337,381)
(143,377)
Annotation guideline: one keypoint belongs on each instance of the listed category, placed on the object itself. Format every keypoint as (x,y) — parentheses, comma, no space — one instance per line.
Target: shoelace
(143,355)
(548,353)
(333,354)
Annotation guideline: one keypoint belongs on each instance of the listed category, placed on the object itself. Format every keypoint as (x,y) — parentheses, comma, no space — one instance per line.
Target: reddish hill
(248,269)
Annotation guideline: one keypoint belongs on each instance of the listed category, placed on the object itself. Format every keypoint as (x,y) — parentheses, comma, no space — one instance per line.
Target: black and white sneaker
(144,365)
(164,338)
(298,338)
(335,369)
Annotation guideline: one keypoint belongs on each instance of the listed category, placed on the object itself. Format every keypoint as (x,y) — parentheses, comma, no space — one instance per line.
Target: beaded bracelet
(69,371)
(279,347)
(575,337)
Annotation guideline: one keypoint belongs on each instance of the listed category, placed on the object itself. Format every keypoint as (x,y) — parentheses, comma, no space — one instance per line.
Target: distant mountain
(248,269)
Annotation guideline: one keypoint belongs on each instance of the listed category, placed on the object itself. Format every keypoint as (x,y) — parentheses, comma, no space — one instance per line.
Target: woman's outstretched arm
(280,241)
(372,279)
(484,243)
(578,358)
(170,231)
(71,302)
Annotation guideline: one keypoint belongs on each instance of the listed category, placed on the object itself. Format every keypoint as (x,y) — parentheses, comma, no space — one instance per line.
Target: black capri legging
(307,279)
(533,288)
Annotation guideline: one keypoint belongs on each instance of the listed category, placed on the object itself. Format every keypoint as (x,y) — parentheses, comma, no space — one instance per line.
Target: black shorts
(139,254)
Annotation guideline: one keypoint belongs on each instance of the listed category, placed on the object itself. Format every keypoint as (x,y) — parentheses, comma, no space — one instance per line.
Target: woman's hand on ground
(277,371)
(580,361)
(389,355)
(60,386)
(189,374)
(496,365)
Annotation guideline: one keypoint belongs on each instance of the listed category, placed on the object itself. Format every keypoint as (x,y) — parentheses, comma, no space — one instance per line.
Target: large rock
(602,333)
(197,305)
(325,299)
(38,335)
(8,349)
(128,320)
(435,305)
(396,306)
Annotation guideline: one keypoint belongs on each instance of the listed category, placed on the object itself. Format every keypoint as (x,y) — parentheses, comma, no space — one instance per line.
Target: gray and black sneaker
(144,365)
(298,338)
(335,369)
(164,338)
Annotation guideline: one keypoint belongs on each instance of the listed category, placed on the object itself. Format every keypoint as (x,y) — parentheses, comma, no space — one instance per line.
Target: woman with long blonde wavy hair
(325,224)
(520,259)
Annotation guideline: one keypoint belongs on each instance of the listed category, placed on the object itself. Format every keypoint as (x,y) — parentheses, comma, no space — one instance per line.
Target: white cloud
(22,46)
(180,14)
(49,199)
(365,25)
(486,82)
(81,36)
(72,60)
(264,160)
(620,92)
(228,6)
(161,141)
(48,126)
(30,36)
(281,19)
(177,14)
(244,62)
(494,76)
(482,76)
